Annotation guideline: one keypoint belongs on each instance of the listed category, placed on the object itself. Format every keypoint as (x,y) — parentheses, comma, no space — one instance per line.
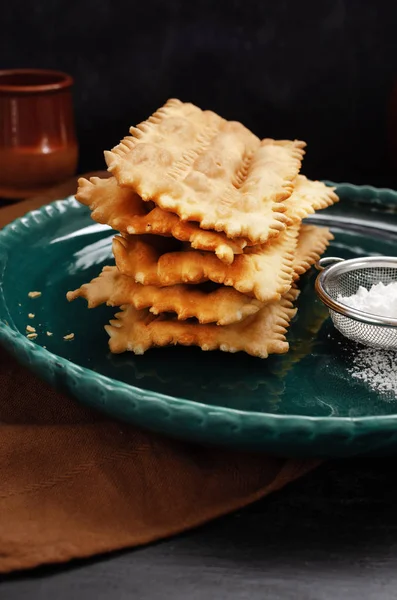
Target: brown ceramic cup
(38,146)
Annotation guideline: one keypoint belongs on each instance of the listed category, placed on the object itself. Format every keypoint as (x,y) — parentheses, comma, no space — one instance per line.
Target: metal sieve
(339,276)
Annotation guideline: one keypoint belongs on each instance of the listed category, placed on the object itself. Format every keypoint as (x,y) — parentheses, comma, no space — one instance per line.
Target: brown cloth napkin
(74,483)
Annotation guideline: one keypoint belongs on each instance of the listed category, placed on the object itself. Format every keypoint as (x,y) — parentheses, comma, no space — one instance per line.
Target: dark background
(322,71)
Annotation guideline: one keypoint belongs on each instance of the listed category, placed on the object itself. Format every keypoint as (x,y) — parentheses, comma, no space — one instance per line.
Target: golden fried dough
(264,272)
(222,305)
(209,170)
(110,204)
(307,197)
(125,211)
(259,335)
(211,241)
(312,242)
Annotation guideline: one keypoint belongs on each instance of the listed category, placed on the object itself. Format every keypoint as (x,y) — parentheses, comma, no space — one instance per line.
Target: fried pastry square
(223,305)
(136,258)
(259,335)
(205,169)
(123,210)
(264,272)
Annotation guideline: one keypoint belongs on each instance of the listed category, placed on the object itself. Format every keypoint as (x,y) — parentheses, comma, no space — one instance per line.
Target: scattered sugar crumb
(32,336)
(31,316)
(69,337)
(49,333)
(34,294)
(378,369)
(30,329)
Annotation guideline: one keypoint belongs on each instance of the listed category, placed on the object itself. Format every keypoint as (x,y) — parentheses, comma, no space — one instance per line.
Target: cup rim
(61,81)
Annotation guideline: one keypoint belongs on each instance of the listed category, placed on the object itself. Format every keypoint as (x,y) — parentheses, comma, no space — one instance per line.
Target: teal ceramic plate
(304,403)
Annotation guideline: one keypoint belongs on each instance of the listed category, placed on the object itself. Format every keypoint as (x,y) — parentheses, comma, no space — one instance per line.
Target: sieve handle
(324,263)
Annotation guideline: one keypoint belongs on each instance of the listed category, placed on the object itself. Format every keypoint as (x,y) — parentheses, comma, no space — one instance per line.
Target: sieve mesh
(346,283)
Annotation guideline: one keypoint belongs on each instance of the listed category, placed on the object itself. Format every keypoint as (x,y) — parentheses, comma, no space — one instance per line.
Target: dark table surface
(332,535)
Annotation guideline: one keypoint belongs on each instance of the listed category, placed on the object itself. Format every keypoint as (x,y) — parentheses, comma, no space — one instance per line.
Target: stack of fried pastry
(210,243)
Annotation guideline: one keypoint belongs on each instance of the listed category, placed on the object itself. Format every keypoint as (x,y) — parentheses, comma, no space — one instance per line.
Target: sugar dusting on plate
(378,369)
(374,367)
